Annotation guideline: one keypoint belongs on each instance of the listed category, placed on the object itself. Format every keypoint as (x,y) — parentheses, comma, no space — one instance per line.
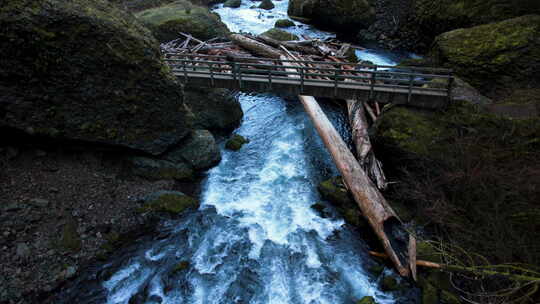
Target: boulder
(280,35)
(501,54)
(200,151)
(232,3)
(86,70)
(436,17)
(182,16)
(284,23)
(342,15)
(266,4)
(172,202)
(214,109)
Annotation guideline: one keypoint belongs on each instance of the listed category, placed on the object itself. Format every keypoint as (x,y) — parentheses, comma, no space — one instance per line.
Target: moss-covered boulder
(343,15)
(266,4)
(500,55)
(200,151)
(232,3)
(172,202)
(280,35)
(334,191)
(284,23)
(86,70)
(236,142)
(436,17)
(182,16)
(157,169)
(213,109)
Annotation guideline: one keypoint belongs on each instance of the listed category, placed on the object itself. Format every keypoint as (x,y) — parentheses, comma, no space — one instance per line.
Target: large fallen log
(255,46)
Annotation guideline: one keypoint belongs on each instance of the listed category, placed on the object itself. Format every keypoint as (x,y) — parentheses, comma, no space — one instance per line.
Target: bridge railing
(412,80)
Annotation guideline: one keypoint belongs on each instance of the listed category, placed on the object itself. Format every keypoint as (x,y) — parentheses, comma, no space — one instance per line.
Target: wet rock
(280,35)
(182,16)
(236,142)
(390,283)
(159,169)
(320,209)
(22,250)
(200,151)
(284,23)
(335,192)
(266,4)
(183,265)
(214,109)
(376,270)
(232,3)
(172,202)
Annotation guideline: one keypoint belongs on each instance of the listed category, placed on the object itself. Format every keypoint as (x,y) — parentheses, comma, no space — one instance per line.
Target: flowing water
(255,238)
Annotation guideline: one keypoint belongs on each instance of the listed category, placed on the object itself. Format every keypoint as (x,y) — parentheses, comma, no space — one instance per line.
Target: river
(255,238)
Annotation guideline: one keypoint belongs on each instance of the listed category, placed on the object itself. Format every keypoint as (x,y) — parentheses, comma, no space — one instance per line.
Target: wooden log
(255,46)
(371,202)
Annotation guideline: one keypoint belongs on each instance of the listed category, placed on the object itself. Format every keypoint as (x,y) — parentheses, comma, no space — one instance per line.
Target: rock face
(182,16)
(86,70)
(343,15)
(501,54)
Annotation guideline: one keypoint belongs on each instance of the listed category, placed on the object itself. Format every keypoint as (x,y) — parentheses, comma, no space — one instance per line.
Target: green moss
(168,201)
(426,251)
(280,35)
(70,237)
(334,191)
(182,16)
(493,52)
(390,283)
(376,270)
(284,23)
(181,266)
(366,300)
(236,142)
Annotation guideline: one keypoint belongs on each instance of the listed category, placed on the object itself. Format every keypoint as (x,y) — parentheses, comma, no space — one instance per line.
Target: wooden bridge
(422,87)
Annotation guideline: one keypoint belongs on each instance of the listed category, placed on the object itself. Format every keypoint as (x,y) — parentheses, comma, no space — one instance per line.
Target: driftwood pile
(362,174)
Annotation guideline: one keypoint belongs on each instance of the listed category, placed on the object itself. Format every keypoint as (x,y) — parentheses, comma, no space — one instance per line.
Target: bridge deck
(381,83)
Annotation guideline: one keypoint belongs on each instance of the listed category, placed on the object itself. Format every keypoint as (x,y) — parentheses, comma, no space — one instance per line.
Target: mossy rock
(182,16)
(214,109)
(366,300)
(181,266)
(284,23)
(71,240)
(172,202)
(67,84)
(376,270)
(334,191)
(280,35)
(236,142)
(520,104)
(320,209)
(343,15)
(266,4)
(501,55)
(390,283)
(433,18)
(232,3)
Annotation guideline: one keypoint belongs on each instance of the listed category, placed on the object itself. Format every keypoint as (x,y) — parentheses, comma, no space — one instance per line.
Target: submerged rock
(182,16)
(280,35)
(344,15)
(504,54)
(236,142)
(172,202)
